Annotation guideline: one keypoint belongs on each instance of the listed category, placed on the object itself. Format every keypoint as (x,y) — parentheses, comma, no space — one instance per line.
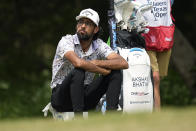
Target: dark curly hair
(98,34)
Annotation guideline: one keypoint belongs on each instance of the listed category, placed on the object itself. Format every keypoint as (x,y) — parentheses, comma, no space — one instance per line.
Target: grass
(169,119)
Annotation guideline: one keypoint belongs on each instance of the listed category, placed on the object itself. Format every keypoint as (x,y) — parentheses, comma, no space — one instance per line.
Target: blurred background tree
(30,31)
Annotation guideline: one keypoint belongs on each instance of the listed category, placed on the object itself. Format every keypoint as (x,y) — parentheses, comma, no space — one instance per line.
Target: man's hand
(105,71)
(113,62)
(94,62)
(90,66)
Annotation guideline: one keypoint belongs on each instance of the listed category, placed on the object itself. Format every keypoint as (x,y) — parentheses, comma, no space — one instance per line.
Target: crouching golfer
(78,57)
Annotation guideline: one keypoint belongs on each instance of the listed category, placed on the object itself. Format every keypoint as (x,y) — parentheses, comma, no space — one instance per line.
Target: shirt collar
(77,42)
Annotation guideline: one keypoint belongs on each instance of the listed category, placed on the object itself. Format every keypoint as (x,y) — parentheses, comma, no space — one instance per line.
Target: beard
(84,36)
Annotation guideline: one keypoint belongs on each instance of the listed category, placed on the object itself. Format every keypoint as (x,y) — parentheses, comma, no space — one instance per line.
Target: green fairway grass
(170,119)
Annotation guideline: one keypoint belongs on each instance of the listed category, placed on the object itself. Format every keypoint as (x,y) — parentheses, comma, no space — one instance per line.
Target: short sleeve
(65,44)
(104,49)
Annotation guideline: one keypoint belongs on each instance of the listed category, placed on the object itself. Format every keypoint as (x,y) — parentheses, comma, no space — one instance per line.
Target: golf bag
(137,88)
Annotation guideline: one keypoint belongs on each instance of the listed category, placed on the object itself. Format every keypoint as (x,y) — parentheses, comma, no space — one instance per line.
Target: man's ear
(96,29)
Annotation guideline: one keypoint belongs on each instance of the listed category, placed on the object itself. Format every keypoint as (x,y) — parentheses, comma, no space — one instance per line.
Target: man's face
(85,29)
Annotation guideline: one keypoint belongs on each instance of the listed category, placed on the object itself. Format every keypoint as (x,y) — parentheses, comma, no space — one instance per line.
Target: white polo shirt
(61,66)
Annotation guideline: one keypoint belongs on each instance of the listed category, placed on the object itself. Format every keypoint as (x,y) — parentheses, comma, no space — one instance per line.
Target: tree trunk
(184,59)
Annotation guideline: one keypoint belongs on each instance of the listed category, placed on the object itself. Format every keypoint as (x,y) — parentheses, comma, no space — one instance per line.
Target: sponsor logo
(159,9)
(168,39)
(87,13)
(153,39)
(139,93)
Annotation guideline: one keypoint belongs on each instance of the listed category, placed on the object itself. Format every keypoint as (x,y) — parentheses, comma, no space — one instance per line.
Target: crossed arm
(113,61)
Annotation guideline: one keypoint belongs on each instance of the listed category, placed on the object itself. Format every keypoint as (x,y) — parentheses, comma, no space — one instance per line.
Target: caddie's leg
(156,78)
(157,99)
(163,59)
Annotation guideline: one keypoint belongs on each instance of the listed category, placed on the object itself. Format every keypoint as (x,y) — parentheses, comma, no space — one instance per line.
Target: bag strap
(171,12)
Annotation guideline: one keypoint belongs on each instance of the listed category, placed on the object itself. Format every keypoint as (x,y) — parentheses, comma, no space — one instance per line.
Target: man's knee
(77,75)
(156,77)
(78,72)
